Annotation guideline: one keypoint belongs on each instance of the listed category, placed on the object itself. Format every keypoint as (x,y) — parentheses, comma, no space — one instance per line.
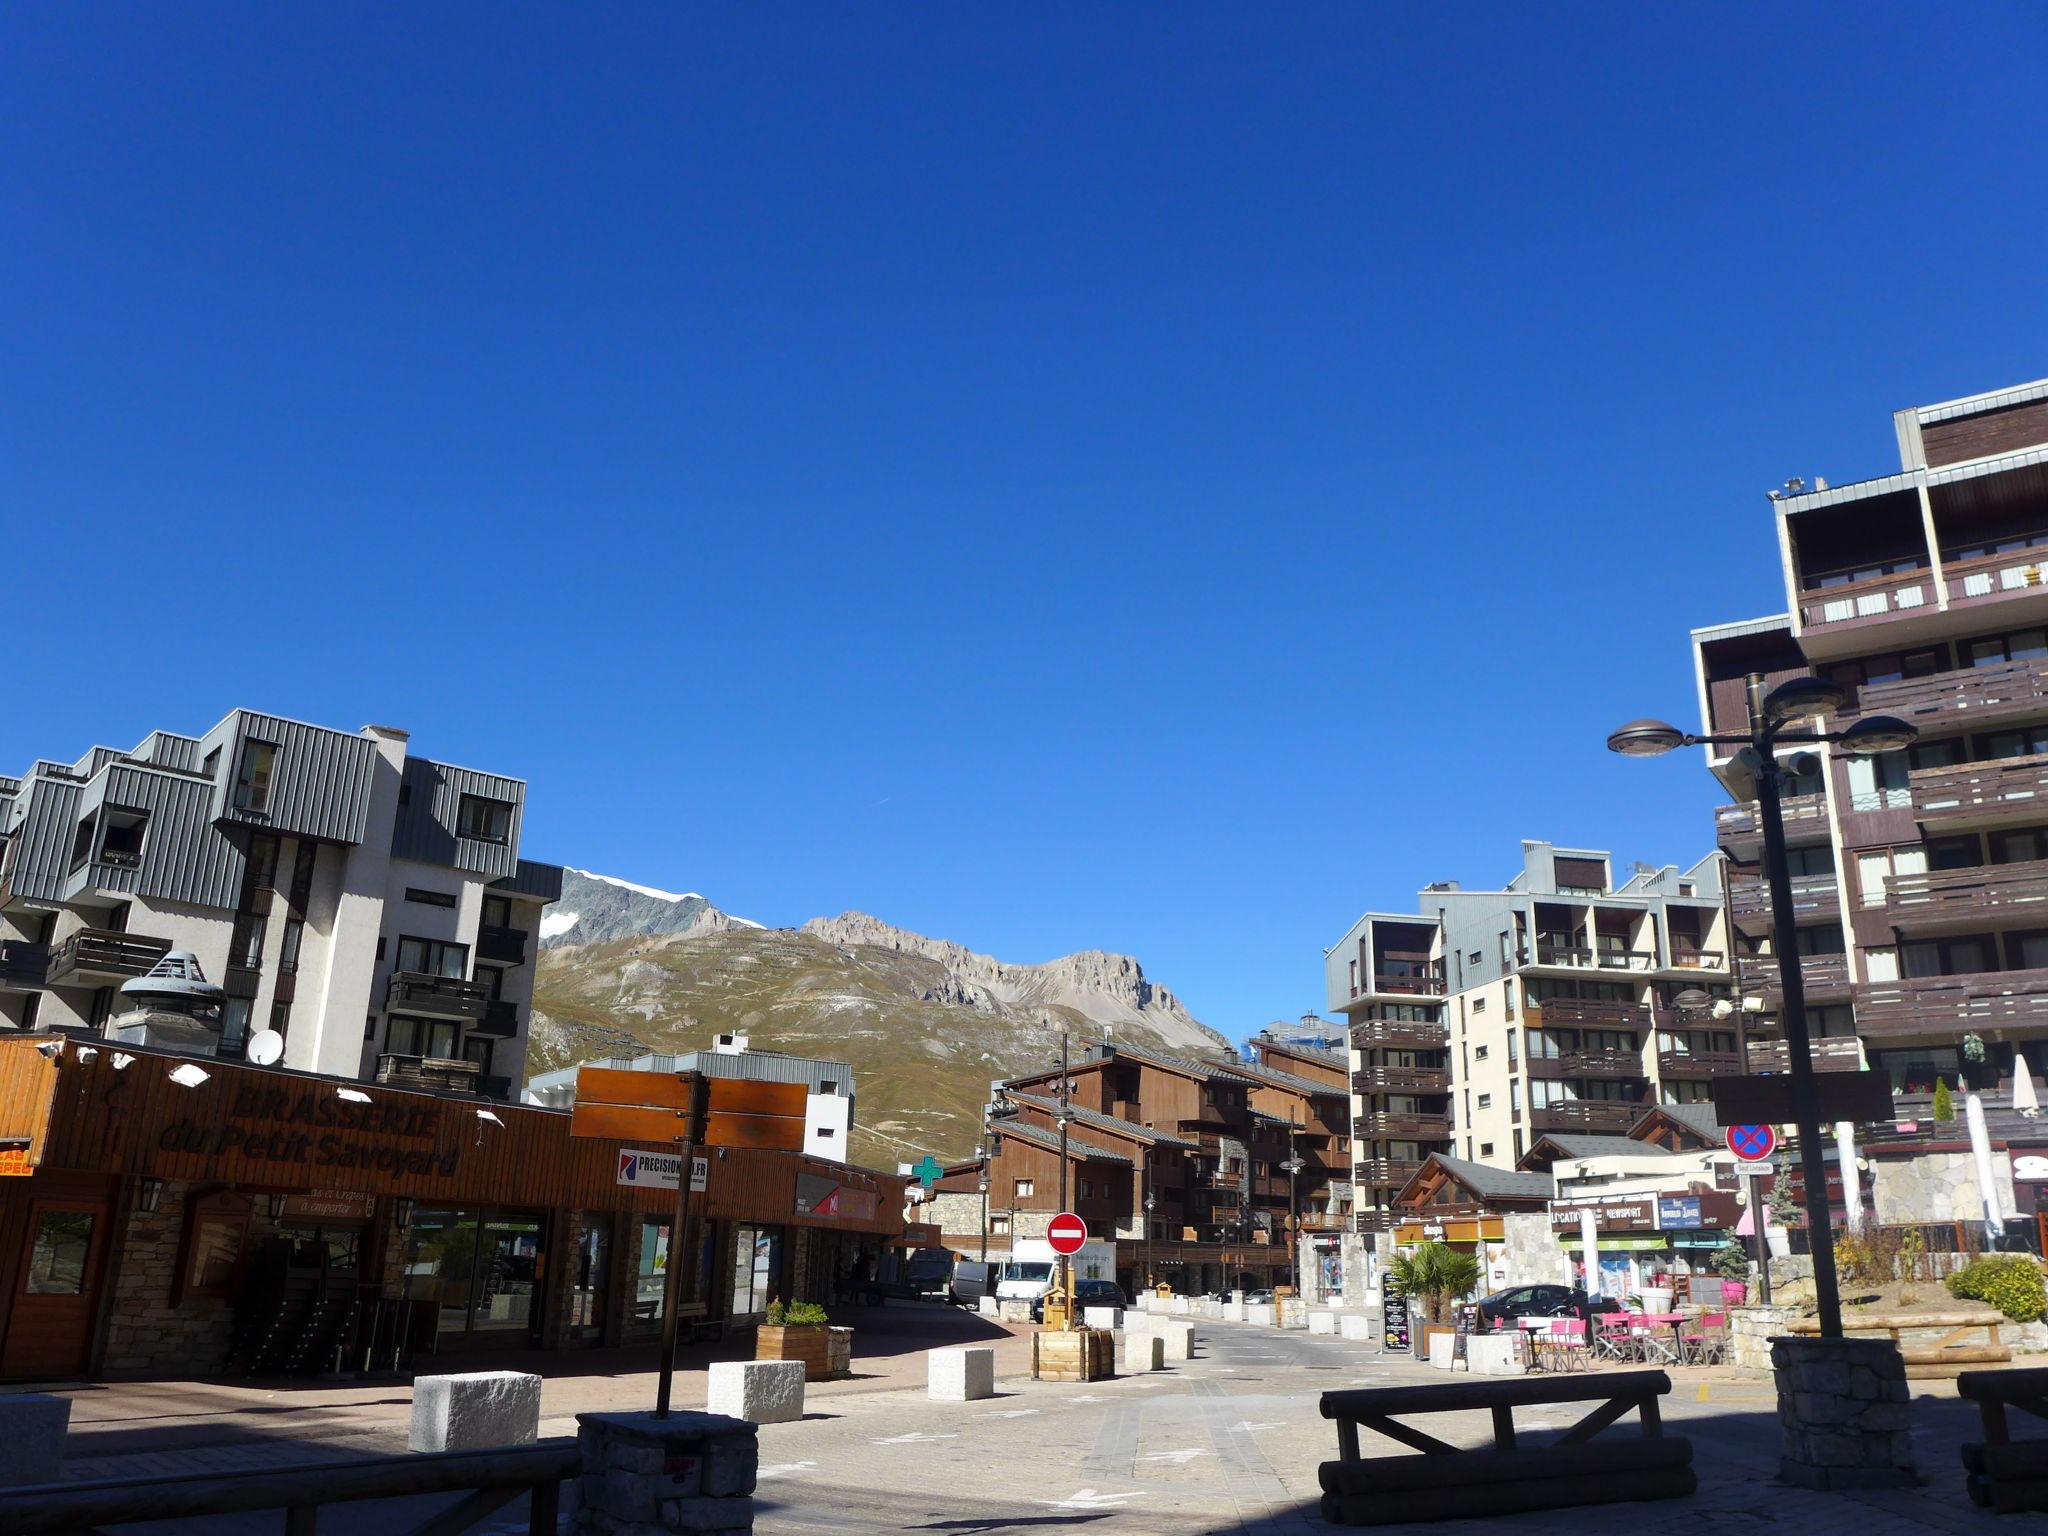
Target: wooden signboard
(1461,1340)
(620,1105)
(1393,1316)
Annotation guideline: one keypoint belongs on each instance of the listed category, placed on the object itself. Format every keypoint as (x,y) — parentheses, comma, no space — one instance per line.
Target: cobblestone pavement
(1226,1443)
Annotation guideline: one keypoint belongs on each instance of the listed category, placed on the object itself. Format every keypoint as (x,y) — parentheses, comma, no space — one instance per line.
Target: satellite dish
(266,1047)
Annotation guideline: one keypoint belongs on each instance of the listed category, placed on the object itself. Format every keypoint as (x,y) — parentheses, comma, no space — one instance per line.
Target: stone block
(643,1475)
(32,1430)
(1356,1326)
(1322,1322)
(1178,1305)
(1260,1313)
(961,1375)
(474,1411)
(985,1305)
(1178,1339)
(1233,1309)
(1011,1309)
(758,1391)
(1144,1352)
(1842,1412)
(1102,1317)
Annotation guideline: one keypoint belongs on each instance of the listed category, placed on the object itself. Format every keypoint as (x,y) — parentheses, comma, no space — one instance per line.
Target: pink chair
(1614,1336)
(1568,1343)
(1704,1341)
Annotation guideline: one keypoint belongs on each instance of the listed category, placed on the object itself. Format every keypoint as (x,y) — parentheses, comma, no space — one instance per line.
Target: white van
(1032,1267)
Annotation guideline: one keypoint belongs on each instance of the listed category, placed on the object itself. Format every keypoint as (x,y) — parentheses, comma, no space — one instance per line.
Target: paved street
(1226,1443)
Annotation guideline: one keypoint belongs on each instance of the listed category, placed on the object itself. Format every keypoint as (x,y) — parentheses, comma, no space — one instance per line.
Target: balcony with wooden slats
(1696,1065)
(1969,900)
(1401,1080)
(436,997)
(1813,896)
(1388,1172)
(1596,1115)
(2006,789)
(1404,1125)
(1588,1013)
(1739,828)
(1951,1005)
(92,957)
(1569,1065)
(1399,1034)
(1969,696)
(1833,1053)
(1824,975)
(1848,605)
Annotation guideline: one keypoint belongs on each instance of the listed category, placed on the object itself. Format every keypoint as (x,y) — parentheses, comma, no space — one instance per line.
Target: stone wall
(1936,1186)
(1843,1406)
(958,1215)
(1750,1331)
(1532,1252)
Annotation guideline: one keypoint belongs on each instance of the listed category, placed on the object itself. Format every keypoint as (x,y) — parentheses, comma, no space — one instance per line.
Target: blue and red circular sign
(1752,1143)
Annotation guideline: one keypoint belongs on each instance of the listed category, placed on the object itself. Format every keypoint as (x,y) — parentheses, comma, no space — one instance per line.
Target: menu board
(1393,1316)
(1461,1340)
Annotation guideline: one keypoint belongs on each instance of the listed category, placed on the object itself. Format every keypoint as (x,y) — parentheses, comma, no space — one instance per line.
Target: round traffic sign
(1752,1143)
(1066,1232)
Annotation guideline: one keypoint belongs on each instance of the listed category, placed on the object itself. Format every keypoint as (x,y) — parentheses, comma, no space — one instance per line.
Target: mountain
(925,1023)
(596,909)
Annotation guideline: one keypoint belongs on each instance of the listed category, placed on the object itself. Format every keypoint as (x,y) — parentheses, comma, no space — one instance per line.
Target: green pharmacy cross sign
(928,1172)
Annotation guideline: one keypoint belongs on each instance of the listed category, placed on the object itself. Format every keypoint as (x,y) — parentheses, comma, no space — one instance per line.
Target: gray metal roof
(1278,1079)
(1976,405)
(1188,1064)
(1699,1116)
(1860,490)
(1050,1140)
(1739,627)
(1495,1183)
(1602,1146)
(1095,1117)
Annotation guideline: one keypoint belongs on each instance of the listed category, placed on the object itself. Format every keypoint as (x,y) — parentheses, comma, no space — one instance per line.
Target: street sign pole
(1758,1219)
(678,1241)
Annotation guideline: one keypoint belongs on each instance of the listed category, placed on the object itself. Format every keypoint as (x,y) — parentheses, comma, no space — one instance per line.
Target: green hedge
(2010,1282)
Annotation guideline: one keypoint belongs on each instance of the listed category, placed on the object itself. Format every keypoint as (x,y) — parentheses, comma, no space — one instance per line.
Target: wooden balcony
(2012,690)
(1404,1126)
(1403,986)
(1862,602)
(500,1020)
(1399,1034)
(433,1073)
(1388,1172)
(436,997)
(1824,975)
(501,946)
(1589,1013)
(1699,1064)
(1577,1064)
(1964,900)
(1740,832)
(93,956)
(23,966)
(1981,794)
(1983,579)
(1597,1115)
(1833,1054)
(1401,1080)
(1749,899)
(1586,957)
(1688,958)
(1950,1005)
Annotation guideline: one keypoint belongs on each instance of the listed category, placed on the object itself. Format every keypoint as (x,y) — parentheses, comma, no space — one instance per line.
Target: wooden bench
(1947,1355)
(1446,1482)
(2005,1474)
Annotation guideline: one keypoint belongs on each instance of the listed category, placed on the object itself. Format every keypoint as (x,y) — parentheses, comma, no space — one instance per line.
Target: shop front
(1654,1245)
(164,1216)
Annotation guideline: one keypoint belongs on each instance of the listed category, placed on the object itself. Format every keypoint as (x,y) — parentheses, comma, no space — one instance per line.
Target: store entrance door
(590,1268)
(56,1289)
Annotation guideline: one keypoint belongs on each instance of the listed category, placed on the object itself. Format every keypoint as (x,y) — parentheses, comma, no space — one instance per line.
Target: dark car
(1087,1293)
(1500,1311)
(972,1280)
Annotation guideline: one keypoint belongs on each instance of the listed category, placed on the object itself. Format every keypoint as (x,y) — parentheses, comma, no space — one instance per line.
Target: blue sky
(1164,480)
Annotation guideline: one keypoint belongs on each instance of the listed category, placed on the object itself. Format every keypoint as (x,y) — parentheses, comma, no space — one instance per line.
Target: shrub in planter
(798,1330)
(2011,1282)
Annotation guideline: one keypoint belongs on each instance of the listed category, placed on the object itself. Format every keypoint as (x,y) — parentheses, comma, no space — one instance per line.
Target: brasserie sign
(319,1129)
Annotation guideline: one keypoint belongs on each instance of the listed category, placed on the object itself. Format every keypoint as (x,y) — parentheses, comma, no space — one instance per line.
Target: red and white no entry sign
(1066,1232)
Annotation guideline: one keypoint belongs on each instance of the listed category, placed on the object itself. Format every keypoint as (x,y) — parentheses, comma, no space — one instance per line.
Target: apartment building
(1920,876)
(367,905)
(1561,1001)
(828,1085)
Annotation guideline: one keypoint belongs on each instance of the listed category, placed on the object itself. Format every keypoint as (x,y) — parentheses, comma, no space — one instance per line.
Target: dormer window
(253,777)
(484,820)
(121,842)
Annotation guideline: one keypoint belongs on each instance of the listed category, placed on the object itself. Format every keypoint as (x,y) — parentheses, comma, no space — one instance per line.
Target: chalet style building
(1921,875)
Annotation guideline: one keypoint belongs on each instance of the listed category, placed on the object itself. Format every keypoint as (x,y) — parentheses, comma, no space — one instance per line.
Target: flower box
(826,1352)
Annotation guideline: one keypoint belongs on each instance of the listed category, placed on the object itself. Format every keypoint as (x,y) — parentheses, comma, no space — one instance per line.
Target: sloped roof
(1571,1145)
(1097,1118)
(1050,1140)
(1274,1077)
(1696,1117)
(1337,1059)
(1487,1181)
(1202,1070)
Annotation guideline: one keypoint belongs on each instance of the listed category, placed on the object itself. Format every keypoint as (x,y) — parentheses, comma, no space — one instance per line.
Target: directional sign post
(1752,1143)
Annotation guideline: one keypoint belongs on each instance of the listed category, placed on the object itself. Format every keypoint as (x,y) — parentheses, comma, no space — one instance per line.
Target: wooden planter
(825,1351)
(1078,1354)
(1424,1332)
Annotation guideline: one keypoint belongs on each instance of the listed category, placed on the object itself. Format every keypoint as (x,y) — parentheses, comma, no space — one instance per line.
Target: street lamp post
(1150,1279)
(1293,1167)
(1801,698)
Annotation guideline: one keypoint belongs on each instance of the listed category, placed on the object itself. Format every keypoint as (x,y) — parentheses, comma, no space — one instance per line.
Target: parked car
(1087,1293)
(1500,1310)
(972,1280)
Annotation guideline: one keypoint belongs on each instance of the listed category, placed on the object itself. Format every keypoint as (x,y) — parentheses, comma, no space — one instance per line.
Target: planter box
(1734,1292)
(1422,1333)
(1079,1354)
(825,1352)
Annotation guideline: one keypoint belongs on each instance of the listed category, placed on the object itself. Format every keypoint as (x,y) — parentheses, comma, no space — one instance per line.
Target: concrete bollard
(474,1411)
(32,1430)
(985,1305)
(1144,1352)
(1356,1326)
(1102,1317)
(1178,1305)
(1233,1309)
(1178,1339)
(1260,1312)
(1322,1322)
(758,1391)
(1011,1309)
(961,1375)
(689,1472)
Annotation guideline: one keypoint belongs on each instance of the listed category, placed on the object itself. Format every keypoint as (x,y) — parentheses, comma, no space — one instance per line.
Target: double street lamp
(1770,715)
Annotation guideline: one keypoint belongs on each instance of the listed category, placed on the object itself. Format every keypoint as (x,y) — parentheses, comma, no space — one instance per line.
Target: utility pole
(1066,1264)
(984,1193)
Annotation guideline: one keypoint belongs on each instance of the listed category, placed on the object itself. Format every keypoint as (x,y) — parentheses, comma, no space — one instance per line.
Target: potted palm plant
(1434,1276)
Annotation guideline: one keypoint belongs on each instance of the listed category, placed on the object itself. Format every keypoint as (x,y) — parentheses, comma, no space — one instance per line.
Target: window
(1479,1054)
(998,1224)
(1518,1146)
(486,821)
(245,948)
(57,1259)
(121,843)
(492,979)
(1954,852)
(370,1026)
(302,872)
(254,777)
(2026,742)
(234,1033)
(497,912)
(1486,1149)
(420,1037)
(1879,783)
(828,1085)
(2019,847)
(429,898)
(2020,645)
(1025,1188)
(288,956)
(1479,1005)
(81,843)
(1486,1101)
(433,957)
(1511,1047)
(1813,859)
(478,1049)
(1685,888)
(281,1017)
(262,863)
(211,766)
(1472,958)
(1514,1095)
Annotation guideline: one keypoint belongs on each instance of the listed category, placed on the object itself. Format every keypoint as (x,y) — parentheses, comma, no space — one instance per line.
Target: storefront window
(481,1268)
(56,1264)
(756,1256)
(647,1294)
